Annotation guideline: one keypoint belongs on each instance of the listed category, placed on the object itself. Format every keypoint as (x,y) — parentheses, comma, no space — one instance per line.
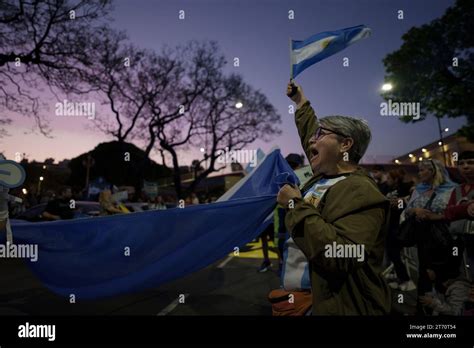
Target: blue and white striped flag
(320,46)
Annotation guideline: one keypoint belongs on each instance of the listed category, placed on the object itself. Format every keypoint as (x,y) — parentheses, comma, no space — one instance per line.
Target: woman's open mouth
(314,155)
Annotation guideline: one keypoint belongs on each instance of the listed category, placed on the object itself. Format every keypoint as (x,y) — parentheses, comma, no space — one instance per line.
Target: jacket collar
(317,177)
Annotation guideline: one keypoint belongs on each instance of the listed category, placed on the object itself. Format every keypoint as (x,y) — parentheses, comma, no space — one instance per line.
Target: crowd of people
(433,216)
(387,217)
(65,203)
(383,213)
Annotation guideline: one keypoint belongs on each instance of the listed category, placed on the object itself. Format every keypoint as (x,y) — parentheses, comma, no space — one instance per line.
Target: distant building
(376,159)
(453,146)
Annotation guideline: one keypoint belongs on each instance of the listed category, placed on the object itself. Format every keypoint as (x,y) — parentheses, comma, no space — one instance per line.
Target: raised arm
(305,118)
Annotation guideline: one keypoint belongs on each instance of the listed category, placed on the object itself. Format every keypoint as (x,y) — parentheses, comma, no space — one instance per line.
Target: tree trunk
(176,172)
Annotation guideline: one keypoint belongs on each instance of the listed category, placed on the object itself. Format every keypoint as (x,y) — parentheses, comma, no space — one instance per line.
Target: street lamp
(239,105)
(387,87)
(39,184)
(446,129)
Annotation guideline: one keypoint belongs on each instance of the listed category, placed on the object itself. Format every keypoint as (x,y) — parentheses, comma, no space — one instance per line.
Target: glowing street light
(397,161)
(446,129)
(239,105)
(410,155)
(25,191)
(423,150)
(387,87)
(39,184)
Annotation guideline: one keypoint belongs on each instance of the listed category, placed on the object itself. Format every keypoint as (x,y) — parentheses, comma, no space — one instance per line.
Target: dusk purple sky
(257,32)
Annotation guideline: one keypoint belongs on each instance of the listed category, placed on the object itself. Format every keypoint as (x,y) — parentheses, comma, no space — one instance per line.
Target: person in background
(399,193)
(265,236)
(430,196)
(461,210)
(47,196)
(60,208)
(460,213)
(378,173)
(194,198)
(464,193)
(409,180)
(107,205)
(450,291)
(469,304)
(188,201)
(31,198)
(158,203)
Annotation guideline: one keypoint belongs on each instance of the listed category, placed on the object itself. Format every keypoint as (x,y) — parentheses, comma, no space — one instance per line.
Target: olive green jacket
(352,212)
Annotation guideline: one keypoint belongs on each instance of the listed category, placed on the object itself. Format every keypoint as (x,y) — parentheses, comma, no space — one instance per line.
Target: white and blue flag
(320,46)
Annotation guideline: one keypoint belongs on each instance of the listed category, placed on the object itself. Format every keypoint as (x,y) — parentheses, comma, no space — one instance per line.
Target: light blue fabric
(324,45)
(87,257)
(295,270)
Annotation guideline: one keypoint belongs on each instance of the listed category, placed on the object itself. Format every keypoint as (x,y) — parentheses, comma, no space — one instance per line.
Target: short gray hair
(354,128)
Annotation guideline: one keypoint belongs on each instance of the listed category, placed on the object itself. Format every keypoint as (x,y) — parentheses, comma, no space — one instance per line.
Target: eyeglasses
(319,133)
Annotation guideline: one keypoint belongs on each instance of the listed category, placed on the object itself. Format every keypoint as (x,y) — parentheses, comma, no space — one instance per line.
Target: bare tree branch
(41,43)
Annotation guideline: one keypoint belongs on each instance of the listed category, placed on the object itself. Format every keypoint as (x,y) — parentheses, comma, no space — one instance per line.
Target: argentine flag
(320,46)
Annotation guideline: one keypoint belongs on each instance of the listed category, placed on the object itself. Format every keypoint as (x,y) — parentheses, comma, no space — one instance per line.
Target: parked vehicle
(83,209)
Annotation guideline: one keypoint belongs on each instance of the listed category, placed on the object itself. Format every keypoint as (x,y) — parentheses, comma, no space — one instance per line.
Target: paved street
(231,286)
